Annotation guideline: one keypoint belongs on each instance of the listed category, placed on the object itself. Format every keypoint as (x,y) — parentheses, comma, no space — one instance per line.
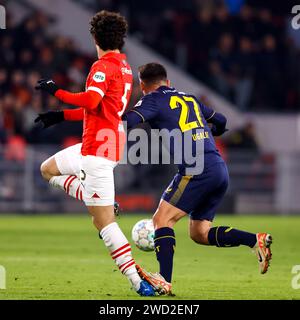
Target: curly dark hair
(109,30)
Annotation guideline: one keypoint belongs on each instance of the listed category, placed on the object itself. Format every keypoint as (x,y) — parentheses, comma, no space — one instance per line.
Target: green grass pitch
(61,257)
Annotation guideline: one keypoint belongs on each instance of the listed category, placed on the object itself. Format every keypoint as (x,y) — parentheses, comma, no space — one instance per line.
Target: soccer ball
(143,235)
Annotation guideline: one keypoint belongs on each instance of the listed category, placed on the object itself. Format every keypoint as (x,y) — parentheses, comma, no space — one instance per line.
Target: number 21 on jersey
(183,103)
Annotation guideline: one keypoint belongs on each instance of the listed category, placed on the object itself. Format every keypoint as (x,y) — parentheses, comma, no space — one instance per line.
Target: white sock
(70,184)
(120,250)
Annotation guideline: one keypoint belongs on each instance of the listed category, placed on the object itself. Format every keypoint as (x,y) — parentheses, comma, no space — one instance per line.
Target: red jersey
(109,83)
(111,77)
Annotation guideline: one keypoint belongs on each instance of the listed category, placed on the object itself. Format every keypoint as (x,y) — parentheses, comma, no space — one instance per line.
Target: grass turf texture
(61,257)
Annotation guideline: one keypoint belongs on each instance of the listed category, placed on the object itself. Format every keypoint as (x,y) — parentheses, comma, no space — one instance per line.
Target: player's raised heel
(263,251)
(146,290)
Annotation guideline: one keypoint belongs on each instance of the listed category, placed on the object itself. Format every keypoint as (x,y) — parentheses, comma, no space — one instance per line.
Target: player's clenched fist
(50,118)
(47,85)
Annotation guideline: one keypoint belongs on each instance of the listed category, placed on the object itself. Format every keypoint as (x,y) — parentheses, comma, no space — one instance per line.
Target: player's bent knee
(49,169)
(200,237)
(196,238)
(199,230)
(45,171)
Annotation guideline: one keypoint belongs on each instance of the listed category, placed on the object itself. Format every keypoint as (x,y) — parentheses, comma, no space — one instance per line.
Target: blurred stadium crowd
(251,61)
(27,54)
(239,48)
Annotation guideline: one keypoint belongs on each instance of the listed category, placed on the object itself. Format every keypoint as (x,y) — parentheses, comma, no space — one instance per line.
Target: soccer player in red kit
(85,171)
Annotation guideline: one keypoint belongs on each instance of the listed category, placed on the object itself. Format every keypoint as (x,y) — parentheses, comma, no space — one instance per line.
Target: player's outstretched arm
(88,100)
(74,114)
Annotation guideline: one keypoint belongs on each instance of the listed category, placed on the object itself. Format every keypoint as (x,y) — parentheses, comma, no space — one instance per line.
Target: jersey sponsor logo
(99,76)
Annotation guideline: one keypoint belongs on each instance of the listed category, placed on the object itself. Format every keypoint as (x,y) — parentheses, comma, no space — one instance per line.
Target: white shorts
(95,173)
